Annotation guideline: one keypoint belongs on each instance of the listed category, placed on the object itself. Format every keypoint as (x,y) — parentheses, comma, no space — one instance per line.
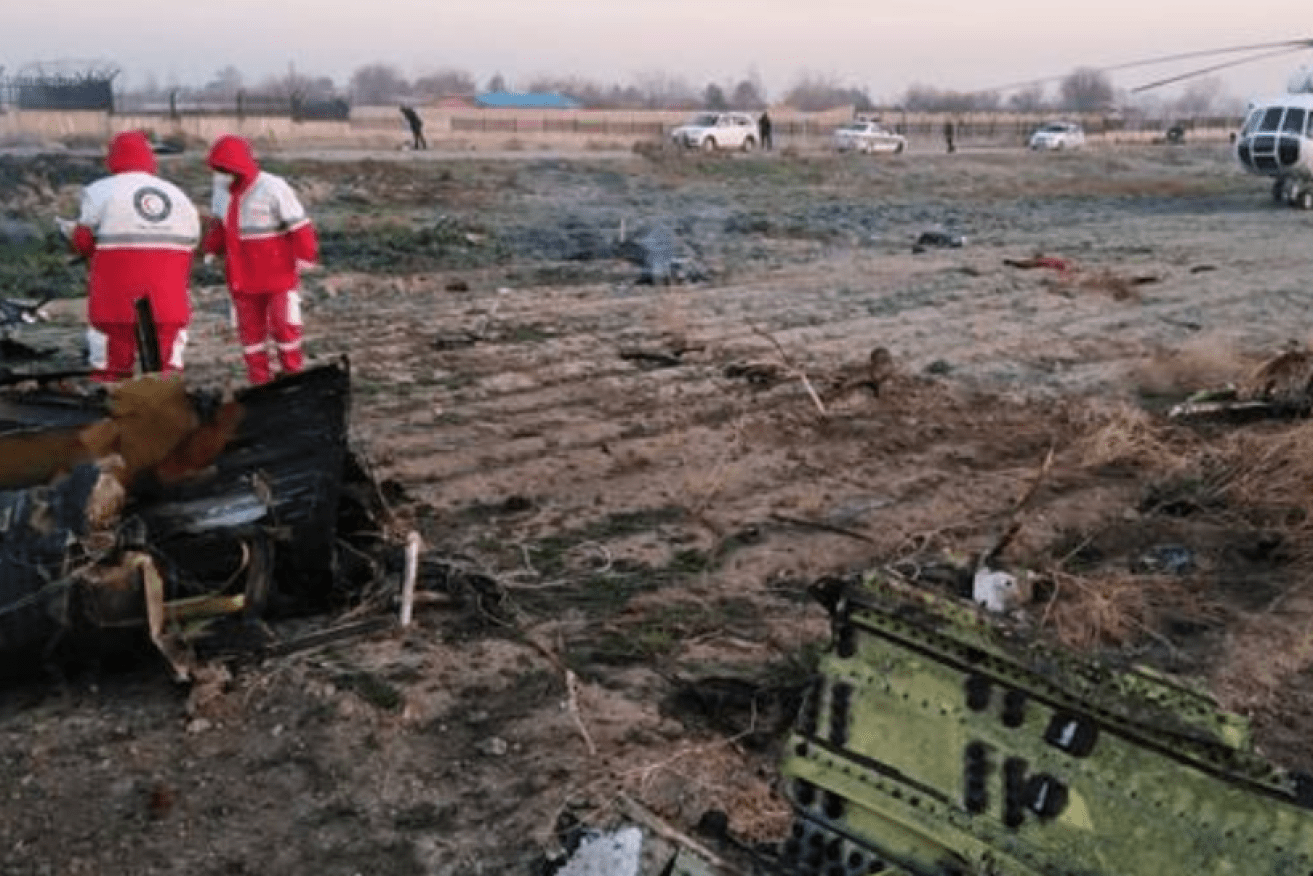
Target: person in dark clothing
(763,131)
(948,136)
(416,126)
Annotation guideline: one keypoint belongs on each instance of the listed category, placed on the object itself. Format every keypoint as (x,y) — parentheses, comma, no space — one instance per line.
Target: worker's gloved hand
(307,267)
(66,227)
(207,259)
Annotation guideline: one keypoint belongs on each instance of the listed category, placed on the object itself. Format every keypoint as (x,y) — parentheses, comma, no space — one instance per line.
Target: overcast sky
(880,45)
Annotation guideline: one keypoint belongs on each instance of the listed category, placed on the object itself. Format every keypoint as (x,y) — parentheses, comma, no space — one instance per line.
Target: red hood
(130,151)
(232,154)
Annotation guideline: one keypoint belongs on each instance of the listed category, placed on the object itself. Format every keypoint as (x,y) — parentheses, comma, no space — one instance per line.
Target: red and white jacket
(257,224)
(138,233)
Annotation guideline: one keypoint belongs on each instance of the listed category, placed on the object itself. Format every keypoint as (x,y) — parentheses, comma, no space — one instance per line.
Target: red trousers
(112,349)
(261,316)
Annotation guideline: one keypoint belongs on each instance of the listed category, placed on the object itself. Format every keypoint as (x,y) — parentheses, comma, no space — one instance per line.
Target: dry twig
(794,370)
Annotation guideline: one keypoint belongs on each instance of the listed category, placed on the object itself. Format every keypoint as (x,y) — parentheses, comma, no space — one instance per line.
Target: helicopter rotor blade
(1215,67)
(1266,50)
(1291,45)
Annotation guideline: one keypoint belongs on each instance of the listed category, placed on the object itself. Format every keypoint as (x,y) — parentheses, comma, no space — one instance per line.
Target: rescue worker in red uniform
(260,228)
(138,233)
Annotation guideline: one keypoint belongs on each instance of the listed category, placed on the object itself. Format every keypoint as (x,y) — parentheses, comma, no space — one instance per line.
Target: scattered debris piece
(871,375)
(652,359)
(661,257)
(1000,592)
(608,854)
(937,240)
(760,374)
(1167,559)
(456,340)
(1053,263)
(14,312)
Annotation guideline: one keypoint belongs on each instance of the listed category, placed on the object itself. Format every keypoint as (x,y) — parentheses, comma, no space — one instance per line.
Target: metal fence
(545,125)
(177,104)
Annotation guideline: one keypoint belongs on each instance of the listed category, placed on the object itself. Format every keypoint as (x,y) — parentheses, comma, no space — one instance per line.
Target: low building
(510,100)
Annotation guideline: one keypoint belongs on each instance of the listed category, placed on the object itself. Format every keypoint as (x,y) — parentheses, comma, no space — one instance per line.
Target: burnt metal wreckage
(156,513)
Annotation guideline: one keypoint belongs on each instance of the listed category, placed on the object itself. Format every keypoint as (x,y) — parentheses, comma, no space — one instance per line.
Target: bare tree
(659,90)
(813,92)
(1027,99)
(749,95)
(444,83)
(927,98)
(294,84)
(150,89)
(752,89)
(1199,97)
(713,97)
(496,83)
(1086,89)
(378,84)
(225,83)
(585,91)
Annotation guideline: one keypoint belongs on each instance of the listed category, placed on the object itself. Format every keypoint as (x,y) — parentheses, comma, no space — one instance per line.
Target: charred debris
(156,514)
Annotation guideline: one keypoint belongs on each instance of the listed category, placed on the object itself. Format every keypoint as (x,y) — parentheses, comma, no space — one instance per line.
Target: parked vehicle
(717,131)
(867,137)
(1058,136)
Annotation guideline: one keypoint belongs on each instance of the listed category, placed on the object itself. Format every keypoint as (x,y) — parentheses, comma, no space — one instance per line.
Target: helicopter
(1276,138)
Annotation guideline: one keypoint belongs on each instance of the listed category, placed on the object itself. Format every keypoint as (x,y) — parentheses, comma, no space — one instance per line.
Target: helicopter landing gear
(1293,192)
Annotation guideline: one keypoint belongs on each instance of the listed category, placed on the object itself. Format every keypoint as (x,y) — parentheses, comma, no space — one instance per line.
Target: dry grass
(1268,479)
(1129,437)
(1260,479)
(1117,610)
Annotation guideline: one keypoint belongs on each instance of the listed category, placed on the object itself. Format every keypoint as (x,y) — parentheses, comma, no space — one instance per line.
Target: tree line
(1083,90)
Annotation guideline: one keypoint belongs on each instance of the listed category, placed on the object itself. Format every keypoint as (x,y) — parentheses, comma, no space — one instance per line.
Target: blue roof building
(509,100)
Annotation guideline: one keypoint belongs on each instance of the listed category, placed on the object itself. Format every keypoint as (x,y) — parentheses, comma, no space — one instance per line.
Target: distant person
(949,131)
(260,228)
(138,233)
(416,126)
(764,132)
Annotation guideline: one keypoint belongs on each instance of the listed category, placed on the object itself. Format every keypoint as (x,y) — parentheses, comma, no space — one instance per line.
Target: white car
(1057,136)
(867,137)
(712,131)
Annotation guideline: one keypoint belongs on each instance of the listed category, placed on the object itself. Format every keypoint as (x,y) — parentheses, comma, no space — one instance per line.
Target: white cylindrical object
(408,582)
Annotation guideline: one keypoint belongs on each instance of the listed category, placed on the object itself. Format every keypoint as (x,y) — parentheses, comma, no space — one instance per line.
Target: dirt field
(645,477)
